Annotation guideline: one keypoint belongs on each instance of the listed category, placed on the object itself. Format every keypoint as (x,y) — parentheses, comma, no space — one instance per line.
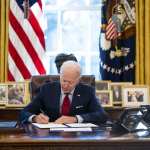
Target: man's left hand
(66,119)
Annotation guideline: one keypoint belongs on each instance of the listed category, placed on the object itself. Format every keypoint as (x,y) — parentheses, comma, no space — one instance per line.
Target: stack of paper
(71,129)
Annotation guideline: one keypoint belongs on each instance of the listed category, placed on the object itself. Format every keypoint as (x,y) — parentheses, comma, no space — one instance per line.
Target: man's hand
(66,119)
(41,118)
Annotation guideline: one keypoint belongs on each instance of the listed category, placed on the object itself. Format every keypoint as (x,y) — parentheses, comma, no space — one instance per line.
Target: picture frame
(102,84)
(135,95)
(105,97)
(3,93)
(18,95)
(116,88)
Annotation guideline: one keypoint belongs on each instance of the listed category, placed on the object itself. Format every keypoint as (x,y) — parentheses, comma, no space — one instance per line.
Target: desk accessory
(131,120)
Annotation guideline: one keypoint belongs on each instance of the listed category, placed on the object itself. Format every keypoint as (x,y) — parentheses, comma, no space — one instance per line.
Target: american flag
(26,41)
(111,30)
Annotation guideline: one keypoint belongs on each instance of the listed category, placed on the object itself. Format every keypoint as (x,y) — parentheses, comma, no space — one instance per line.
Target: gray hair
(72,66)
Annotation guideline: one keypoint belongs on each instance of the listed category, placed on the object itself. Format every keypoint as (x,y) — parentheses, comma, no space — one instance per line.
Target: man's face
(68,82)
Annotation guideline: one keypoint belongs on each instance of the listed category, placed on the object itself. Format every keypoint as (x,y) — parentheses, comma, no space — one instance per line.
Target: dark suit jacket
(84,103)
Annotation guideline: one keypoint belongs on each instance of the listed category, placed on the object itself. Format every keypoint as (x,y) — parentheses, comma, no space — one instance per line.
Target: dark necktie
(65,106)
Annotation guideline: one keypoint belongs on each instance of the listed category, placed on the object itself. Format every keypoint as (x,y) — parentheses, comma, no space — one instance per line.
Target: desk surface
(42,139)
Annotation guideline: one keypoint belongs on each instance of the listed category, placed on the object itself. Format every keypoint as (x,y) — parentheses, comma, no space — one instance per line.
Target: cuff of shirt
(30,118)
(79,119)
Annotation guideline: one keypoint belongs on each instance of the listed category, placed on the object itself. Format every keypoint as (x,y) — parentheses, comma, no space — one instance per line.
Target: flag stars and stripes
(116,71)
(26,41)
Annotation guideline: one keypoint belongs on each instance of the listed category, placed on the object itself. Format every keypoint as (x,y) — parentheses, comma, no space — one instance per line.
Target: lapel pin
(77,107)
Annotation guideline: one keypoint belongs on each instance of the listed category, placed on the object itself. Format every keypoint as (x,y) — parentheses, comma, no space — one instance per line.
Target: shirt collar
(71,93)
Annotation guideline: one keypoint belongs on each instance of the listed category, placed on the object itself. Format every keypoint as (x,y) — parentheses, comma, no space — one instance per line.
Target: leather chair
(39,80)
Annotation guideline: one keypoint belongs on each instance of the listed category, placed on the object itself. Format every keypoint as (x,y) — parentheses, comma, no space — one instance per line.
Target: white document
(70,129)
(81,125)
(49,125)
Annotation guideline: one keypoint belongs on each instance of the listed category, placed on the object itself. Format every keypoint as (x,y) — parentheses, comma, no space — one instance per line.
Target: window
(72,26)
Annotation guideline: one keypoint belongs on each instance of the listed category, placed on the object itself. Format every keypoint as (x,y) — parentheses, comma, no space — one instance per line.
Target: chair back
(39,80)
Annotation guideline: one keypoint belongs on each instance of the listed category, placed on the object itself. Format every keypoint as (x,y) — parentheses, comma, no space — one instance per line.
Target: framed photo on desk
(102,84)
(135,95)
(116,88)
(3,93)
(17,94)
(105,97)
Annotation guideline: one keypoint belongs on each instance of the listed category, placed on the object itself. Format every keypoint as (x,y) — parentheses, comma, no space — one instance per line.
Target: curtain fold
(4,5)
(143,42)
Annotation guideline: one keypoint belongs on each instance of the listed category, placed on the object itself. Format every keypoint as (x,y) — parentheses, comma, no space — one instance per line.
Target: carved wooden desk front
(99,139)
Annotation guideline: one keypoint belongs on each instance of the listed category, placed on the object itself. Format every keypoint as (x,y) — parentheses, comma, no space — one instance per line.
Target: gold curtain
(143,42)
(4,5)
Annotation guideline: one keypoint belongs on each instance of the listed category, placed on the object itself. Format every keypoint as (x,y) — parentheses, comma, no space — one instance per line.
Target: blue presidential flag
(117,40)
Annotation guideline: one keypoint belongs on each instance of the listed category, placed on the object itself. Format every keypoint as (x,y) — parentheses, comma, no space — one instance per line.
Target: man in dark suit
(83,107)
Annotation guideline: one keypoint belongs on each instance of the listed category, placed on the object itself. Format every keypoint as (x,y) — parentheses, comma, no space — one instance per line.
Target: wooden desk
(42,139)
(9,113)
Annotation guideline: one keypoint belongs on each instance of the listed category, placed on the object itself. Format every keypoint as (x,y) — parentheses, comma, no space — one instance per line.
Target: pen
(42,111)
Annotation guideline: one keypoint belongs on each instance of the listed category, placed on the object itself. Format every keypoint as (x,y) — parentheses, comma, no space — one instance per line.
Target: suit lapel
(76,99)
(57,98)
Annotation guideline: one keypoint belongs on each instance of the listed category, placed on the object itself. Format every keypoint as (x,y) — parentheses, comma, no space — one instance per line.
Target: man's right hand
(41,118)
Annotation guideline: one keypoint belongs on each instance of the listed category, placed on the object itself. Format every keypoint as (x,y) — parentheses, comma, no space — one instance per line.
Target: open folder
(49,125)
(72,125)
(81,125)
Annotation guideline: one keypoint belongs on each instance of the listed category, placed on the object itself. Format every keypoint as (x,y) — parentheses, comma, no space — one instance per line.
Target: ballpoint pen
(42,111)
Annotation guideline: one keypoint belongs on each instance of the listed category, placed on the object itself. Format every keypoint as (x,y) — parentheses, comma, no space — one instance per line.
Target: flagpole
(26,8)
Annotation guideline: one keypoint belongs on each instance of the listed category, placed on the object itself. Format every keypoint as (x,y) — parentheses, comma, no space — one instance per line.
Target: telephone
(146,113)
(131,120)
